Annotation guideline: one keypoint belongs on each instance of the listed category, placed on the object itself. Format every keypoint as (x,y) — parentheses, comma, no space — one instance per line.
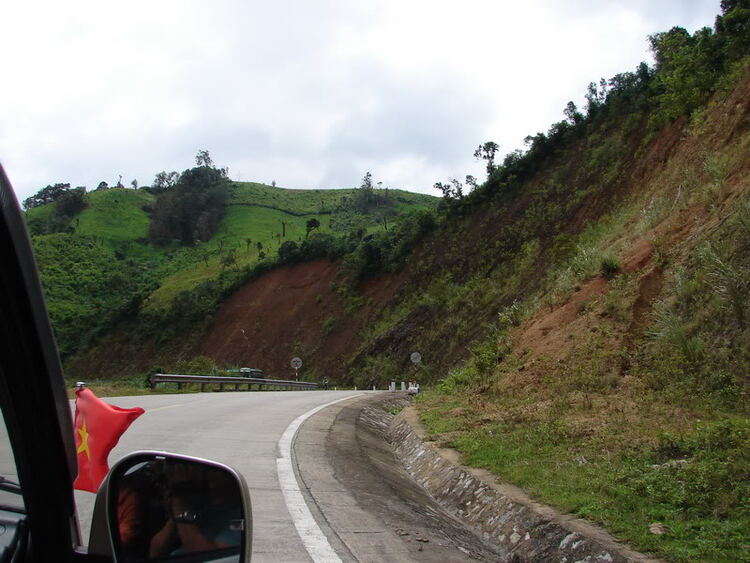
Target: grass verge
(624,462)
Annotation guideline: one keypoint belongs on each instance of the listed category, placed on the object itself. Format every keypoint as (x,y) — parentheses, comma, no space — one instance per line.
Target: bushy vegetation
(88,289)
(191,210)
(53,207)
(698,346)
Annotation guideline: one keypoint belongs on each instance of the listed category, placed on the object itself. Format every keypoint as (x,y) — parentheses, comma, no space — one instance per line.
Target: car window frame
(32,393)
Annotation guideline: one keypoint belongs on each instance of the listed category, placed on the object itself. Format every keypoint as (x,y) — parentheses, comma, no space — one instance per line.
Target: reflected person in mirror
(203,512)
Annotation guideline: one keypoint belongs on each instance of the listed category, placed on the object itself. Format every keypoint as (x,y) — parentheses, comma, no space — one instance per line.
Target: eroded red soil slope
(293,311)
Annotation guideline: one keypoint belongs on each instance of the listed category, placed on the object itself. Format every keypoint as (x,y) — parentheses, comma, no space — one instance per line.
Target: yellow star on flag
(84,436)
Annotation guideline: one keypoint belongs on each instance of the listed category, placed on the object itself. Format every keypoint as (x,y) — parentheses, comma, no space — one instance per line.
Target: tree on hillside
(453,190)
(366,184)
(48,194)
(288,251)
(67,204)
(193,208)
(311,225)
(596,96)
(71,202)
(204,159)
(229,259)
(102,186)
(687,67)
(486,151)
(733,25)
(572,114)
(364,196)
(164,181)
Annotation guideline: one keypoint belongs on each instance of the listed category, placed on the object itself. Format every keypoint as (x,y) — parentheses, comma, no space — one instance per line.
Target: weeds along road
(240,429)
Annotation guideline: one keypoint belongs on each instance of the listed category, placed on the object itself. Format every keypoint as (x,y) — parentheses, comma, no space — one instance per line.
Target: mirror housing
(168,507)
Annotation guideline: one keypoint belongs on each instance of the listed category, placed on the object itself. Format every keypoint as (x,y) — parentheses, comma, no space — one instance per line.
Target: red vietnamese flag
(98,427)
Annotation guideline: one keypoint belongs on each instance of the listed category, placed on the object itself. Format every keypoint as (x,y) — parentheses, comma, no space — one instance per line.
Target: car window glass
(10,493)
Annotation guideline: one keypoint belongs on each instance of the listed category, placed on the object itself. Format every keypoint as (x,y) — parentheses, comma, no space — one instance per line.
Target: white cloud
(310,94)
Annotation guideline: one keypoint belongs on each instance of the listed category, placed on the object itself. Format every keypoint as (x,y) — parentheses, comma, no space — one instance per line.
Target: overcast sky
(311,94)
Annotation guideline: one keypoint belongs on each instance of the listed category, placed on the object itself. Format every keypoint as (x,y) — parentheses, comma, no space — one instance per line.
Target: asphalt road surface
(239,429)
(323,487)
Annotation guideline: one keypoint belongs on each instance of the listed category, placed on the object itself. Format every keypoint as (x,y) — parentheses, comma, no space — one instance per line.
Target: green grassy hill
(81,256)
(269,216)
(115,215)
(310,202)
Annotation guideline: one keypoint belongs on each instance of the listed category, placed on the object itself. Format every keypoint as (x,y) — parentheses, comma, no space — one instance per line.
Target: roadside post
(416,359)
(296,363)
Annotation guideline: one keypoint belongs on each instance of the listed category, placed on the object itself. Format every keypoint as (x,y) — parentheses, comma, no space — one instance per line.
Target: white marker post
(296,363)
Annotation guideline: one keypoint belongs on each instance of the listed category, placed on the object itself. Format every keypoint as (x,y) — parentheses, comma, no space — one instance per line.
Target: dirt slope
(292,311)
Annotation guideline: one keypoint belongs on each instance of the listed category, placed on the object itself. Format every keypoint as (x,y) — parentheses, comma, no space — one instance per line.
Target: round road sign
(296,363)
(416,357)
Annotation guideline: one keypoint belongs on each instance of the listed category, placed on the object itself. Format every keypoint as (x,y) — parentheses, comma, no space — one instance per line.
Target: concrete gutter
(516,527)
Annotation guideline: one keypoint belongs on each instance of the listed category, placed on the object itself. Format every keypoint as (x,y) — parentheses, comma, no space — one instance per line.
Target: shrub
(730,281)
(456,380)
(609,266)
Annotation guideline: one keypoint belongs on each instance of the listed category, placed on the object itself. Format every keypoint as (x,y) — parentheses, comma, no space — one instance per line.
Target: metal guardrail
(236,382)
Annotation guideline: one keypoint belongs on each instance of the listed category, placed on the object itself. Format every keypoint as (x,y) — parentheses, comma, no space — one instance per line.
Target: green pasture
(115,214)
(321,202)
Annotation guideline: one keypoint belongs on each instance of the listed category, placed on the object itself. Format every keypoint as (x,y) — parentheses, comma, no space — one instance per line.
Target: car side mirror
(168,507)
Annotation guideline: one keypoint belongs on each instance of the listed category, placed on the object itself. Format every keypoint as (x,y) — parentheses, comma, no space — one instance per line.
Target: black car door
(34,405)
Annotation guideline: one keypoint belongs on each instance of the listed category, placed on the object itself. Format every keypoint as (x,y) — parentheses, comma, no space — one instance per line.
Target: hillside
(101,269)
(583,315)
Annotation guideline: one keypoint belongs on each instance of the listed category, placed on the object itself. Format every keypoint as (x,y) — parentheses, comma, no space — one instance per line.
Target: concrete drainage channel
(513,526)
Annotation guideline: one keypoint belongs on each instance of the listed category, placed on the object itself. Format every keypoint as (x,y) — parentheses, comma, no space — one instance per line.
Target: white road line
(171,406)
(175,405)
(312,536)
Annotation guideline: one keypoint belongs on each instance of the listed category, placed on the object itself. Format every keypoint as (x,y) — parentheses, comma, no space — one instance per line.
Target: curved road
(238,429)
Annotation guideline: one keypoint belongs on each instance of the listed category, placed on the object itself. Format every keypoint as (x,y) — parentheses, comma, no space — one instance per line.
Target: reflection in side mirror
(164,507)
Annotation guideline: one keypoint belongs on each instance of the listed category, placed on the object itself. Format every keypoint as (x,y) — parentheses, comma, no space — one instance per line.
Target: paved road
(238,429)
(369,508)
